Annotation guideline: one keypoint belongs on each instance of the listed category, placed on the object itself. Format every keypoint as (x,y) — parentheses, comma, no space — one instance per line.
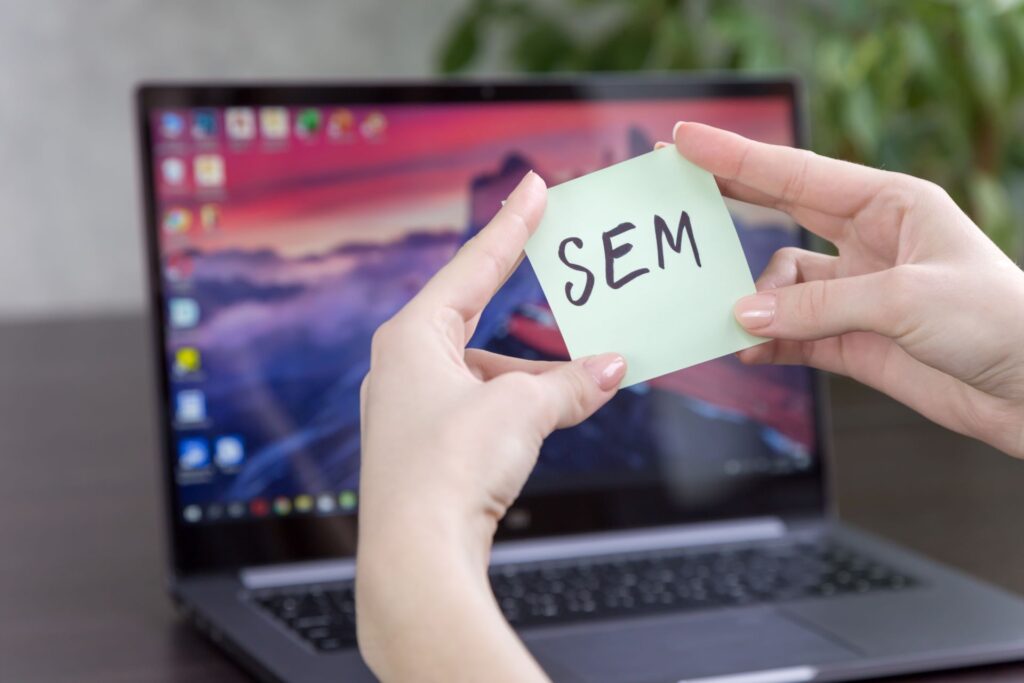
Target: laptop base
(945,620)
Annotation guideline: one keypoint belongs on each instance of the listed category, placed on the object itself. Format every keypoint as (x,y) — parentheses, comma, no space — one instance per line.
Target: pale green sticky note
(615,258)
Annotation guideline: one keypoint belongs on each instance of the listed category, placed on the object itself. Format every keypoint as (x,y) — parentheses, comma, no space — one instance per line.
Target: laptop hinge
(561,547)
(638,540)
(298,573)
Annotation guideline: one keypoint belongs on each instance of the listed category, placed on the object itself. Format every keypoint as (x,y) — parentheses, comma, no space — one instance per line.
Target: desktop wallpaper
(289,233)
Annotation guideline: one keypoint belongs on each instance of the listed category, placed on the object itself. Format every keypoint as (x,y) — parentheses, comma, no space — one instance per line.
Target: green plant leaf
(461,46)
(861,121)
(991,205)
(542,45)
(981,47)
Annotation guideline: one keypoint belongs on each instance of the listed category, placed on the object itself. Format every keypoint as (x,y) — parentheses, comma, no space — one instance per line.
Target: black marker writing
(661,229)
(589,286)
(611,253)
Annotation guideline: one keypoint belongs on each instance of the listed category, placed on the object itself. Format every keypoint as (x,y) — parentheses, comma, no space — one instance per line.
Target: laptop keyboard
(679,581)
(620,586)
(324,616)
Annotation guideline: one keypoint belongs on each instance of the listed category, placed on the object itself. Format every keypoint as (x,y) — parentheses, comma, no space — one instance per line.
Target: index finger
(787,176)
(469,280)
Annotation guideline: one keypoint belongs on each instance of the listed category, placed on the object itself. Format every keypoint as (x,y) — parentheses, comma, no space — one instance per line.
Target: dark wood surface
(81,539)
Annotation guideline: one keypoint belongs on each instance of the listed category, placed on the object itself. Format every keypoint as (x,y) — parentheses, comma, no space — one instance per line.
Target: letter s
(588,287)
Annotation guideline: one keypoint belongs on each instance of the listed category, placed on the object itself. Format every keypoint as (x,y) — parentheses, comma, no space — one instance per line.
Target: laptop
(682,534)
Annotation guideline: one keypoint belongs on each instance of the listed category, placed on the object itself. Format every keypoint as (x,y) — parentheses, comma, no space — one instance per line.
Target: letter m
(661,233)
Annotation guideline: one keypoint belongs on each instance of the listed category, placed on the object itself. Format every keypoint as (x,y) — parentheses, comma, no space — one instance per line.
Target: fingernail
(608,369)
(519,189)
(675,129)
(755,311)
(661,145)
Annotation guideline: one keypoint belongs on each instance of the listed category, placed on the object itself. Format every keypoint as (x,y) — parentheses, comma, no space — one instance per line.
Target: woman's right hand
(919,303)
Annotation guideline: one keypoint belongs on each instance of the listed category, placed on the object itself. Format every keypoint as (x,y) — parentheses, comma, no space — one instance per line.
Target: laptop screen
(287,233)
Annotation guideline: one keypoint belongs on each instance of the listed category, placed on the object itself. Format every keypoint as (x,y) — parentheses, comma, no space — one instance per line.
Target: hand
(449,438)
(919,303)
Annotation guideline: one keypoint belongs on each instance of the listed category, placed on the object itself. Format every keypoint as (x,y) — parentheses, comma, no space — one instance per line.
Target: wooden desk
(82,545)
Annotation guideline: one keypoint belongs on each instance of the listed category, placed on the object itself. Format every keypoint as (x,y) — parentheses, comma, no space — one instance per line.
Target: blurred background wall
(69,211)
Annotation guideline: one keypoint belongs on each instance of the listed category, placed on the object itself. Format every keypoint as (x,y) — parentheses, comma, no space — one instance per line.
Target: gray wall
(69,212)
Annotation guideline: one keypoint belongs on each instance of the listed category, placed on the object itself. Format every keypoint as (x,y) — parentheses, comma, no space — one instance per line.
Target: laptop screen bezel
(198,548)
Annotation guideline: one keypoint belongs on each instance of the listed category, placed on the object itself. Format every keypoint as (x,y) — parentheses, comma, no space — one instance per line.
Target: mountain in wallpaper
(286,344)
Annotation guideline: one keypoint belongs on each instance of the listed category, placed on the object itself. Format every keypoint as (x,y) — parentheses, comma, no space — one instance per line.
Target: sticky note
(643,259)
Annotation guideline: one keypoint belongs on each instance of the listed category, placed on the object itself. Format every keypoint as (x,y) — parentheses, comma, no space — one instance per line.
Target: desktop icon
(193,454)
(258,507)
(172,169)
(209,217)
(340,124)
(183,313)
(347,500)
(172,125)
(178,267)
(374,125)
(240,123)
(228,452)
(209,170)
(303,503)
(177,220)
(307,123)
(236,510)
(204,124)
(192,513)
(282,506)
(274,123)
(214,511)
(190,406)
(325,503)
(187,361)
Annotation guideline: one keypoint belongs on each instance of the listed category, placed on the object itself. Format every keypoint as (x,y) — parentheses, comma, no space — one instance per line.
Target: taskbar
(305,504)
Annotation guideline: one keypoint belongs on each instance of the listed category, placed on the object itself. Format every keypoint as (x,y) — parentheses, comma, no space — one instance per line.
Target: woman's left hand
(449,437)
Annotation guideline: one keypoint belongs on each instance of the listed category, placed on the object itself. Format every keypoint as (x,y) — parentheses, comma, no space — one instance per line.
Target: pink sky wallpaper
(309,195)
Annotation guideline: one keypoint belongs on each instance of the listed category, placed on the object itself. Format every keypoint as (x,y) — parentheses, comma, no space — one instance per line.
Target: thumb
(574,391)
(824,308)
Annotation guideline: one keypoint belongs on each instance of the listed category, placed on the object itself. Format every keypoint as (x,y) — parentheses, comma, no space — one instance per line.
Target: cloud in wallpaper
(319,241)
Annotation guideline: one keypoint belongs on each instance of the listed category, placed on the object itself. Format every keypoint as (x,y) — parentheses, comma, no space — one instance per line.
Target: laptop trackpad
(683,647)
